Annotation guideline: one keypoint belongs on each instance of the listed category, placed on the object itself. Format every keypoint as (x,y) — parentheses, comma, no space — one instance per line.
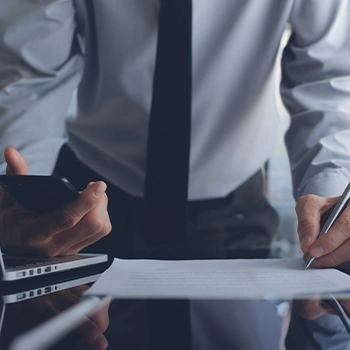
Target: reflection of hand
(27,314)
(332,249)
(94,326)
(64,231)
(315,308)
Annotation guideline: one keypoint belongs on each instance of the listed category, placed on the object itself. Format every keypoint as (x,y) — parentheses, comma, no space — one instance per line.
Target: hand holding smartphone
(39,192)
(68,222)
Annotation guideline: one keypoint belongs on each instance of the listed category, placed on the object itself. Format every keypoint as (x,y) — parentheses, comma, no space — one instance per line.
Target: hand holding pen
(335,214)
(329,244)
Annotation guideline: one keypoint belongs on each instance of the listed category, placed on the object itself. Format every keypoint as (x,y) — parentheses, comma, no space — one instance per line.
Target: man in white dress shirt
(108,50)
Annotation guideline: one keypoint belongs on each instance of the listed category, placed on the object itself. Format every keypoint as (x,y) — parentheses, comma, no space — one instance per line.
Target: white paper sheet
(217,279)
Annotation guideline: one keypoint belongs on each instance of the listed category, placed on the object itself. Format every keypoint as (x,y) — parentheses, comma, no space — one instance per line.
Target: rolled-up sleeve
(40,66)
(315,89)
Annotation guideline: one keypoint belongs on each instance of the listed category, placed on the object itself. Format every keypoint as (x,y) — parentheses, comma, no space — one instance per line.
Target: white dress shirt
(235,123)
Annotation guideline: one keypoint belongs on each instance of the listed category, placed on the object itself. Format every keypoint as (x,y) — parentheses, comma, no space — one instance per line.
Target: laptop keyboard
(14,261)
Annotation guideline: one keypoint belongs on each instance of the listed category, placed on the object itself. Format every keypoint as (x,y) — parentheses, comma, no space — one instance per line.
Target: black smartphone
(39,192)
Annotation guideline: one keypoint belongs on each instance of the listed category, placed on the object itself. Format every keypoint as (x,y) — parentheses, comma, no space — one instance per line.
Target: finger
(93,335)
(334,238)
(101,318)
(107,228)
(335,258)
(309,210)
(67,217)
(87,242)
(93,331)
(313,308)
(345,303)
(92,227)
(16,164)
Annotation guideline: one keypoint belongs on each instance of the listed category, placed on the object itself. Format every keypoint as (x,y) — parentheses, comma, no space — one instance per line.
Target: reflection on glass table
(39,321)
(64,319)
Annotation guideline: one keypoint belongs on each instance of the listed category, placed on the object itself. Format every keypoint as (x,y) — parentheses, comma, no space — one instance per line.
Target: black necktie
(167,169)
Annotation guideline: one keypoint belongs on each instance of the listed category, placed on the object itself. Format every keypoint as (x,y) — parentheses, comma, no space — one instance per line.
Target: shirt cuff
(330,183)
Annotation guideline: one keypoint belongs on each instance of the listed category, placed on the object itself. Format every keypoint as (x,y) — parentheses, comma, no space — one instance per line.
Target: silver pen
(336,212)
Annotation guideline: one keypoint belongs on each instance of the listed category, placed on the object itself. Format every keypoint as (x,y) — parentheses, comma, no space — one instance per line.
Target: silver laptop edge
(50,288)
(58,264)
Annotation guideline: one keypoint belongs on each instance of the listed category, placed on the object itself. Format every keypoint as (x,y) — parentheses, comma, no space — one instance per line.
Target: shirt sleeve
(40,66)
(315,89)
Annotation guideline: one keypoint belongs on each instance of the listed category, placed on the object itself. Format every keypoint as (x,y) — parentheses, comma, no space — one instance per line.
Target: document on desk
(217,279)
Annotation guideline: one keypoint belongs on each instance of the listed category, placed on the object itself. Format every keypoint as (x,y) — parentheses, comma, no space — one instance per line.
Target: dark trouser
(240,225)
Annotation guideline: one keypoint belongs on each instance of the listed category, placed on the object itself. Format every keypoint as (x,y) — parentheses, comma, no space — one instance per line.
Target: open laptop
(16,267)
